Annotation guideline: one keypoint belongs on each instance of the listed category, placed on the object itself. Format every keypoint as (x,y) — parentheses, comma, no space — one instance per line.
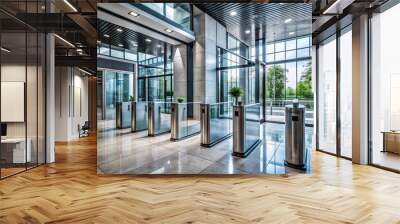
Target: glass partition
(114,87)
(184,121)
(252,124)
(327,95)
(22,102)
(159,120)
(220,120)
(346,75)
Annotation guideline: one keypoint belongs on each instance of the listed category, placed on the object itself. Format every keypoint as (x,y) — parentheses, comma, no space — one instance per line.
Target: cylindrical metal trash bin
(294,136)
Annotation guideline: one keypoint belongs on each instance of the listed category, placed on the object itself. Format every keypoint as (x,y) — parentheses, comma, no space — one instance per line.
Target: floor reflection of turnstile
(216,123)
(246,129)
(159,118)
(139,116)
(184,121)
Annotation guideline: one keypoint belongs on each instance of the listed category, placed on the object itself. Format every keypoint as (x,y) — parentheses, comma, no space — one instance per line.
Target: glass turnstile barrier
(246,129)
(216,123)
(159,118)
(185,120)
(139,116)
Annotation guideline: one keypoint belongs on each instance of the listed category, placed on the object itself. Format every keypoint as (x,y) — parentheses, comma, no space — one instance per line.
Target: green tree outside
(304,86)
(276,82)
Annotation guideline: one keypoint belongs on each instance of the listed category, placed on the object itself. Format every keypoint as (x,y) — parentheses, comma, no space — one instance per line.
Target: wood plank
(70,191)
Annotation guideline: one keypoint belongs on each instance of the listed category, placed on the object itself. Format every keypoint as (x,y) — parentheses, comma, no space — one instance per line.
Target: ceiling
(129,39)
(269,18)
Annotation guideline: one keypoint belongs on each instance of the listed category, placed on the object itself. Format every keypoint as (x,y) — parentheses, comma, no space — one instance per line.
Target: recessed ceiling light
(291,33)
(233,13)
(288,20)
(121,45)
(135,44)
(148,40)
(159,45)
(134,14)
(247,31)
(79,50)
(162,52)
(43,7)
(119,30)
(106,35)
(168,30)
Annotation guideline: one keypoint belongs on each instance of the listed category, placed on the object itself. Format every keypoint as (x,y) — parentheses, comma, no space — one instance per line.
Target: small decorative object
(131,98)
(236,92)
(180,99)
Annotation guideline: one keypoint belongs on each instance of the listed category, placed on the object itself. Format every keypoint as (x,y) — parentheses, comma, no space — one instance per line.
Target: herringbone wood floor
(70,191)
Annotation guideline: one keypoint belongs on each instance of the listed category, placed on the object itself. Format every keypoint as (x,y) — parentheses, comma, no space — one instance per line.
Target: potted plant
(236,92)
(180,99)
(131,98)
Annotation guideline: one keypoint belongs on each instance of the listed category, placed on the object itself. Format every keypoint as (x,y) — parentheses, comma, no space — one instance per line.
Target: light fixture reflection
(70,5)
(134,14)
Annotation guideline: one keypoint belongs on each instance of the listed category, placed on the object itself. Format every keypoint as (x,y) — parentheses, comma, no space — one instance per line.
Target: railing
(185,120)
(216,123)
(275,110)
(246,129)
(139,116)
(159,118)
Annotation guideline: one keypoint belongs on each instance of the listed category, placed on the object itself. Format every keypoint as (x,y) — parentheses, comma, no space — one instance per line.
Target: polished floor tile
(124,152)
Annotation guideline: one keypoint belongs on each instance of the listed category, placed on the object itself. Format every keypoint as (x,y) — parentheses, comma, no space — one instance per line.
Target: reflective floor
(386,159)
(123,152)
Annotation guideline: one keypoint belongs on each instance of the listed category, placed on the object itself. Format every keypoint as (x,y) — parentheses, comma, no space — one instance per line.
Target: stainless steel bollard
(205,124)
(246,129)
(138,116)
(150,119)
(123,115)
(294,136)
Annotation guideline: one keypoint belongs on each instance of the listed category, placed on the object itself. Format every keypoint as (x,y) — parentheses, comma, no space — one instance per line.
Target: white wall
(71,87)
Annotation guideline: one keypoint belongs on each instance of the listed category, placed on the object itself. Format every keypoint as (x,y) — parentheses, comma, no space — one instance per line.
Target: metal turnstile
(123,115)
(215,122)
(294,136)
(139,116)
(159,118)
(246,129)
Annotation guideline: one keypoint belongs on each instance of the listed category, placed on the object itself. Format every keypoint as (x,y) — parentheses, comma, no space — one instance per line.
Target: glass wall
(236,71)
(288,73)
(22,102)
(155,75)
(118,87)
(116,52)
(179,13)
(385,89)
(327,95)
(346,92)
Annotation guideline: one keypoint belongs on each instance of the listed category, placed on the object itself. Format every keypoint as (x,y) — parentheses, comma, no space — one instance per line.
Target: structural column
(50,98)
(360,90)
